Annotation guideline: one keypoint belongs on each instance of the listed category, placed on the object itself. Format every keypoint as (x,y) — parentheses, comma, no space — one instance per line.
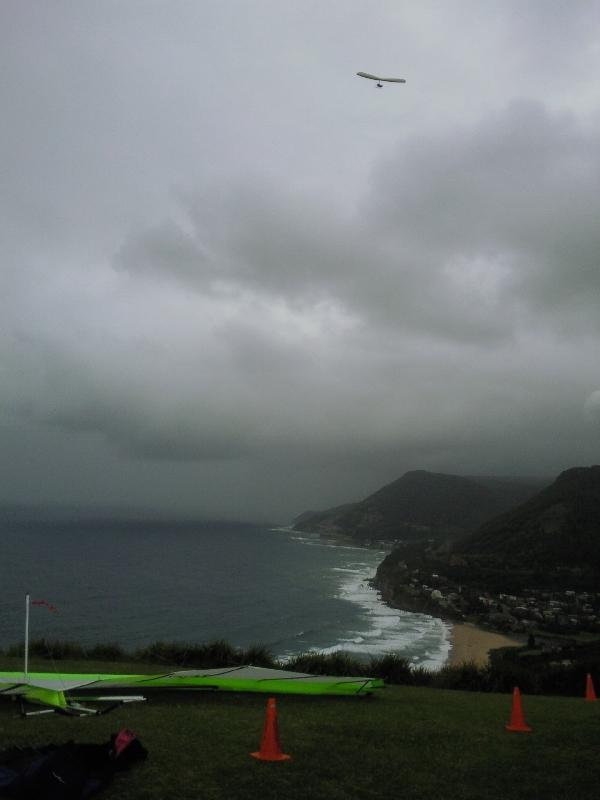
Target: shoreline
(468,642)
(472,644)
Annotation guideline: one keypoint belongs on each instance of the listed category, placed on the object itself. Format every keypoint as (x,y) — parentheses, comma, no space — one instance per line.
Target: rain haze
(239,281)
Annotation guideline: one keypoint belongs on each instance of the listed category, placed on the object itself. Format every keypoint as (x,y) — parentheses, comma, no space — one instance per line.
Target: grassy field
(406,742)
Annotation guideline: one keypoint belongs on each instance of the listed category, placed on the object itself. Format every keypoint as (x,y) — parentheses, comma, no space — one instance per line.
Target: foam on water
(422,639)
(136,583)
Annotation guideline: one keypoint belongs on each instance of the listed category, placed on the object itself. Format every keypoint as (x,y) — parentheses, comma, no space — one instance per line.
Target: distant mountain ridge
(422,505)
(559,525)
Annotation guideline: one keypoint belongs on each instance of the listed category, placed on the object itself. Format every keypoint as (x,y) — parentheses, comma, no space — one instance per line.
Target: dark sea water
(133,583)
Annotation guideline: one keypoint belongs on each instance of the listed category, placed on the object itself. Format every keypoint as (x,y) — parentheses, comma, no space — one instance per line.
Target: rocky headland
(515,556)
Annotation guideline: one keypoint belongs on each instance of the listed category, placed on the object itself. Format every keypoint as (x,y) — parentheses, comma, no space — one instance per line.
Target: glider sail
(378,79)
(57,691)
(61,692)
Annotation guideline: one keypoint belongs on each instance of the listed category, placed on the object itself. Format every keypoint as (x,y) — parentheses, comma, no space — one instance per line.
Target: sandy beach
(470,643)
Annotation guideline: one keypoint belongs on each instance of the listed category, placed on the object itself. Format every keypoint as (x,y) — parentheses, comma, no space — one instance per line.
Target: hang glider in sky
(65,692)
(379,80)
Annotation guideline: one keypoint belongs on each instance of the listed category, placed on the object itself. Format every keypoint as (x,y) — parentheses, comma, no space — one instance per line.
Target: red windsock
(517,720)
(270,748)
(48,605)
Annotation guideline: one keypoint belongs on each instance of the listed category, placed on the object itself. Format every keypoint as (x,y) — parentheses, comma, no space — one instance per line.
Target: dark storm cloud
(514,199)
(165,250)
(226,261)
(459,234)
(315,332)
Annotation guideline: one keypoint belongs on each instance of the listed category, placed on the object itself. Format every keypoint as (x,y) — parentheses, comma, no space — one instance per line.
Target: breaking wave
(422,639)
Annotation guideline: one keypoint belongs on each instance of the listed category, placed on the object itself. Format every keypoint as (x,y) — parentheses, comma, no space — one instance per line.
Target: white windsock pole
(26,669)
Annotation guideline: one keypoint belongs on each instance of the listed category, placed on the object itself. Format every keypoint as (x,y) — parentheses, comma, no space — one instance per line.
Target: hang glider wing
(53,693)
(258,679)
(377,78)
(63,692)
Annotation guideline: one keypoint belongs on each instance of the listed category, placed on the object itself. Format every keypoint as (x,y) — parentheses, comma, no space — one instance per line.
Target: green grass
(408,742)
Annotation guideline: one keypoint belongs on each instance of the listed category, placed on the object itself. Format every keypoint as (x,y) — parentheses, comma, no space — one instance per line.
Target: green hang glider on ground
(63,691)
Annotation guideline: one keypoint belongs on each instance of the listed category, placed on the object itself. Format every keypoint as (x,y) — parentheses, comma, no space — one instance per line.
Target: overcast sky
(238,280)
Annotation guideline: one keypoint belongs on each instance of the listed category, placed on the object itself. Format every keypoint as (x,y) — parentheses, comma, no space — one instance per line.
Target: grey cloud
(141,404)
(558,36)
(518,192)
(228,262)
(458,236)
(292,248)
(165,251)
(591,408)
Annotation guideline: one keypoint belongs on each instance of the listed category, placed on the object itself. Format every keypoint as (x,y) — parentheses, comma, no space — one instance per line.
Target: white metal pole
(26,670)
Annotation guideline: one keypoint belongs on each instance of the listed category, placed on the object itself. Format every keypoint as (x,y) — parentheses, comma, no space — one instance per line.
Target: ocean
(136,582)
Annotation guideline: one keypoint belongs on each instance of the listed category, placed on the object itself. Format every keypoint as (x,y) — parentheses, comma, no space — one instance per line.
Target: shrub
(163,653)
(533,674)
(106,652)
(421,676)
(337,663)
(392,668)
(468,676)
(183,654)
(216,654)
(50,649)
(505,675)
(259,656)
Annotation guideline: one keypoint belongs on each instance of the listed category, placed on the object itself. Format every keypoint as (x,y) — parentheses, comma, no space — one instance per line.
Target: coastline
(469,643)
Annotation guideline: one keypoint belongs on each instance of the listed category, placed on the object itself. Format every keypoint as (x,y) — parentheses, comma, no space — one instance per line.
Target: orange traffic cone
(270,749)
(517,720)
(590,694)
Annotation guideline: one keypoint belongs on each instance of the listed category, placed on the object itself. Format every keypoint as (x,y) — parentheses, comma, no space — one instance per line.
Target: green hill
(421,505)
(560,526)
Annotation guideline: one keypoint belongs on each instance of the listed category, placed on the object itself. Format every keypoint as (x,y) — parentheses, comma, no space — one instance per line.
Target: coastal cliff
(534,568)
(420,506)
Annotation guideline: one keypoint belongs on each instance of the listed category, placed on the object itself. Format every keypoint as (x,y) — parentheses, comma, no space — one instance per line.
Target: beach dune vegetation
(507,667)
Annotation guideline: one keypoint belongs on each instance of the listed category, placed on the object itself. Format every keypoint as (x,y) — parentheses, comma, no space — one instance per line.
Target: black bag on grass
(66,772)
